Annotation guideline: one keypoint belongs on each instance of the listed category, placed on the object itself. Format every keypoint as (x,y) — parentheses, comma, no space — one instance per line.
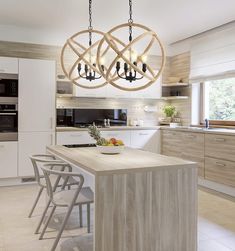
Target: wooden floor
(216,224)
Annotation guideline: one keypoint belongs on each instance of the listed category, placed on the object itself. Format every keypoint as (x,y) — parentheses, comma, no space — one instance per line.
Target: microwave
(8,87)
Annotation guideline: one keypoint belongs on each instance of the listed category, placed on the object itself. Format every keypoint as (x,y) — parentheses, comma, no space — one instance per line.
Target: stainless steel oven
(8,122)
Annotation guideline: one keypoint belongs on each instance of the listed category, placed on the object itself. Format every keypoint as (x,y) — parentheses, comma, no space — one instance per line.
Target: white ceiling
(173,20)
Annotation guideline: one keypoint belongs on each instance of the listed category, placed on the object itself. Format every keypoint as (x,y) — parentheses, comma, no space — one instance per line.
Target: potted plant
(169,111)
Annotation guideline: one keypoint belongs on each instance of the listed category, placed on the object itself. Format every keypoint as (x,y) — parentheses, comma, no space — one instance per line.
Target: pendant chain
(90,28)
(130,21)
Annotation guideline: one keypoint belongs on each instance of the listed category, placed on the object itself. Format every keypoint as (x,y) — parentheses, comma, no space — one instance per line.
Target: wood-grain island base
(149,203)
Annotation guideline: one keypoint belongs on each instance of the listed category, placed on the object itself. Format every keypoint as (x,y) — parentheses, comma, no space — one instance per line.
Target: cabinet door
(148,140)
(29,144)
(171,142)
(152,92)
(125,136)
(36,95)
(73,138)
(193,148)
(8,65)
(220,171)
(92,93)
(113,92)
(8,159)
(220,146)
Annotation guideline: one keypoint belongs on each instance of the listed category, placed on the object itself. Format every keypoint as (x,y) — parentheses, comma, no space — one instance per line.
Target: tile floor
(216,229)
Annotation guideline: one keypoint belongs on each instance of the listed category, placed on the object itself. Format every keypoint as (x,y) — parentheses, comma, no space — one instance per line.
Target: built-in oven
(8,87)
(8,122)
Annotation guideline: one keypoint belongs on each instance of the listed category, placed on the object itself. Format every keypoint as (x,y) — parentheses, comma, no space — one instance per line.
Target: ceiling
(173,20)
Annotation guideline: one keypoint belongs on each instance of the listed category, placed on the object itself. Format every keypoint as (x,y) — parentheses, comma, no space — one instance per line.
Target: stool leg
(42,217)
(62,227)
(47,222)
(80,215)
(88,218)
(36,201)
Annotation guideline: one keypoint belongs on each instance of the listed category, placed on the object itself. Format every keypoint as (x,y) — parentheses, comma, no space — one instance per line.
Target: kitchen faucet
(207,123)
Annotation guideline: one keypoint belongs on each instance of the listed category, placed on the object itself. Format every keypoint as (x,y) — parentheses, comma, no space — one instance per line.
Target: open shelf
(175,85)
(174,97)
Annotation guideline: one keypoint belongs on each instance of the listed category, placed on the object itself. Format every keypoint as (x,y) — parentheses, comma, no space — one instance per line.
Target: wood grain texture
(220,146)
(185,145)
(130,160)
(154,211)
(220,171)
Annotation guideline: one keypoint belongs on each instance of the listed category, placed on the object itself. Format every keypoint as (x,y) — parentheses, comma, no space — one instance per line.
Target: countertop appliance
(8,87)
(8,122)
(82,118)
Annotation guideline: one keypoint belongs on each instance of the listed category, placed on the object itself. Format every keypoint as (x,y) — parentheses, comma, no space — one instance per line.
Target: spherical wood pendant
(78,54)
(131,55)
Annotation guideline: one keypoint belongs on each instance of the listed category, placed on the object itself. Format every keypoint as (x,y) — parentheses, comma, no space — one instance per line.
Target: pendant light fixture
(78,60)
(130,69)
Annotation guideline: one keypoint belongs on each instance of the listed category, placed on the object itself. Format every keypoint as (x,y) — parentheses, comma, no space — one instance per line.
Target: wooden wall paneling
(154,211)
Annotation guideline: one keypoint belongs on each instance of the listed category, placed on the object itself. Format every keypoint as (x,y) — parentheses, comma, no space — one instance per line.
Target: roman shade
(213,56)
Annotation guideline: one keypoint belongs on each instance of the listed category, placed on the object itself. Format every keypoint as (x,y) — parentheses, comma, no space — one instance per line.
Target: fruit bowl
(110,149)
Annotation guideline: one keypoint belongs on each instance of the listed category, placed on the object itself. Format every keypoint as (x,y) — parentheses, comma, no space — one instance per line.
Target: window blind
(213,56)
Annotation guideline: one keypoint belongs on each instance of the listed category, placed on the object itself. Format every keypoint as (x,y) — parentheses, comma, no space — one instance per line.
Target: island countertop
(130,160)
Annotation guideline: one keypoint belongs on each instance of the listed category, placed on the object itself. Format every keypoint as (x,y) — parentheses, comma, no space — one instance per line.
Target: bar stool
(36,159)
(66,198)
(40,179)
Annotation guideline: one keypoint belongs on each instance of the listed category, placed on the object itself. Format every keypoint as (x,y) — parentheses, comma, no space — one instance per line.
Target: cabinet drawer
(122,135)
(198,160)
(220,146)
(72,138)
(8,65)
(220,171)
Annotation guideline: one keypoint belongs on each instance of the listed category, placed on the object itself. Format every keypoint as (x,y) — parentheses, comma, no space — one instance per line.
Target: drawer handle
(75,135)
(191,136)
(1,146)
(2,70)
(220,164)
(219,139)
(143,134)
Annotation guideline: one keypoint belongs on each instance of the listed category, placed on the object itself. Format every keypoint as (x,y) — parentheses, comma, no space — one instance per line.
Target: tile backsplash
(135,107)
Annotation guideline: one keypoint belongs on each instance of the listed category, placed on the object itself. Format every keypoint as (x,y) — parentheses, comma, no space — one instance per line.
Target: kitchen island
(143,201)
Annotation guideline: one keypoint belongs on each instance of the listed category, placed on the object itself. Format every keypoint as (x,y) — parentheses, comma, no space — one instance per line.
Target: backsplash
(135,107)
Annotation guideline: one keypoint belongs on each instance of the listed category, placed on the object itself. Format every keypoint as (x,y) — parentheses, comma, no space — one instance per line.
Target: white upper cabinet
(9,65)
(37,88)
(154,91)
(90,93)
(113,92)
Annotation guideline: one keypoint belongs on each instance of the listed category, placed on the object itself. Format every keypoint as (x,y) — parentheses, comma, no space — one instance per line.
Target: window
(219,101)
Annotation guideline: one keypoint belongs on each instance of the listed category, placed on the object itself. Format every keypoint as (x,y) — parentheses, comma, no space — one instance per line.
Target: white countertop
(112,128)
(222,131)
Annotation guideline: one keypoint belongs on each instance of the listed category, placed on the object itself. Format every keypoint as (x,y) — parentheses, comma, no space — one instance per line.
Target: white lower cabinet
(148,140)
(122,135)
(74,138)
(32,143)
(8,159)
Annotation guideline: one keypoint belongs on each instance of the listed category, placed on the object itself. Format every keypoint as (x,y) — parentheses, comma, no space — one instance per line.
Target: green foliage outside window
(221,95)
